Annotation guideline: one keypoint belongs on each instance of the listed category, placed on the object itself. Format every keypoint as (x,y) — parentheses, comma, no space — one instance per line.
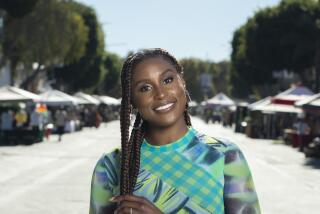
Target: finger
(127,210)
(133,204)
(131,198)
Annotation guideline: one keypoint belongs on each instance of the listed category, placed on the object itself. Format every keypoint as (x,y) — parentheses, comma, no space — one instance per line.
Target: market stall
(15,111)
(270,116)
(219,108)
(109,107)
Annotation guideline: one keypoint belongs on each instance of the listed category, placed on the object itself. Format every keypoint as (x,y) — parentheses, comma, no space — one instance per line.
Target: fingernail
(112,199)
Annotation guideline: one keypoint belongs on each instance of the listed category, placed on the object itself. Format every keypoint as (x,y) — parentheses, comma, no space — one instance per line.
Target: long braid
(187,116)
(131,145)
(135,159)
(124,126)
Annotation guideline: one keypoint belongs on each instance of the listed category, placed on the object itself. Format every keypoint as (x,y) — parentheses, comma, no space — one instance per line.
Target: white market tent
(309,101)
(87,99)
(283,102)
(313,102)
(14,94)
(220,100)
(269,107)
(192,103)
(295,93)
(58,98)
(108,100)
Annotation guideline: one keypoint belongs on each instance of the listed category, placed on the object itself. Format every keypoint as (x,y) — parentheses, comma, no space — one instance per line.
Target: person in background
(302,129)
(36,120)
(21,118)
(48,124)
(98,119)
(60,121)
(7,120)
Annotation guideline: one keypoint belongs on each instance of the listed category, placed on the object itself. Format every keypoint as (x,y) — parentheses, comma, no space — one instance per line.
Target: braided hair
(131,144)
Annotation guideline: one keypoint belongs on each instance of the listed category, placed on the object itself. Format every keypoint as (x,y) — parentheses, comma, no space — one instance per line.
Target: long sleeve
(104,184)
(239,193)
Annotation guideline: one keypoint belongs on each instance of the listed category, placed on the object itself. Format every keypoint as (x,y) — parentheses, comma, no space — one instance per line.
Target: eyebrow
(146,80)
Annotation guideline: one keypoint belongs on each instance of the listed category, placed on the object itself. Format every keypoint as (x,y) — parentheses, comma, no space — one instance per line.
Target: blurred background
(252,69)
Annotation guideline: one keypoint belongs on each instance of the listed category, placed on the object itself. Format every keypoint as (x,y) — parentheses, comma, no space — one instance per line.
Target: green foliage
(89,70)
(192,73)
(111,82)
(276,38)
(193,68)
(18,8)
(49,35)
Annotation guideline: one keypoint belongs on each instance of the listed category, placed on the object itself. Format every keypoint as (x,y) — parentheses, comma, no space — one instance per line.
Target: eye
(168,80)
(145,88)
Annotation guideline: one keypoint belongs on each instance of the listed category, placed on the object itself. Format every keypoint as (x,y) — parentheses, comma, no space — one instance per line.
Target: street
(54,177)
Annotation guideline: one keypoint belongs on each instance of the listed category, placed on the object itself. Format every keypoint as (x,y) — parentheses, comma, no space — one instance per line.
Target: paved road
(52,177)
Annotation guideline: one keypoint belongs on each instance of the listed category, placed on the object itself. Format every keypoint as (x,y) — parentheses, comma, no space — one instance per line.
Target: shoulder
(108,160)
(107,168)
(220,144)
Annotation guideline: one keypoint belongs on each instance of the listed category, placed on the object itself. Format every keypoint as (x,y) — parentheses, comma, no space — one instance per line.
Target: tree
(87,72)
(193,68)
(49,35)
(111,82)
(192,73)
(276,38)
(18,8)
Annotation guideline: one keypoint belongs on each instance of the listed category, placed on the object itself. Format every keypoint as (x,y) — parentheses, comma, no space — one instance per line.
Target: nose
(160,92)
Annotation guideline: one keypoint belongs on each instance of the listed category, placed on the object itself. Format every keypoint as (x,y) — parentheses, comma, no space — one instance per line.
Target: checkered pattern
(181,173)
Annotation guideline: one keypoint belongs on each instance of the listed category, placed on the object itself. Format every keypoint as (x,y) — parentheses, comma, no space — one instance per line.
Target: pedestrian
(36,121)
(165,165)
(302,129)
(61,119)
(7,120)
(21,118)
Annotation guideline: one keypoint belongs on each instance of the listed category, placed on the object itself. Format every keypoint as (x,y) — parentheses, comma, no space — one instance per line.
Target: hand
(131,204)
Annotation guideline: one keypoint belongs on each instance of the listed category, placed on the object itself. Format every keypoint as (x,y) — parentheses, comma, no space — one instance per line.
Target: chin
(165,122)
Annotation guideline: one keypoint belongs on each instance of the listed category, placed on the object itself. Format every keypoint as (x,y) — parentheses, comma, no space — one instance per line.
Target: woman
(165,166)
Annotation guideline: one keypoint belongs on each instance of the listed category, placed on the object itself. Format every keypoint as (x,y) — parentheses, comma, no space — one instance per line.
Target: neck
(164,135)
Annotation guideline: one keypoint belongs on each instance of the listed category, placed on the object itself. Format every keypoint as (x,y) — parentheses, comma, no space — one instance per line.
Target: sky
(190,28)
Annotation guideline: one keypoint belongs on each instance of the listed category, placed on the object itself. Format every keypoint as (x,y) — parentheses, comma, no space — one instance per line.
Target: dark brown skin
(136,203)
(155,83)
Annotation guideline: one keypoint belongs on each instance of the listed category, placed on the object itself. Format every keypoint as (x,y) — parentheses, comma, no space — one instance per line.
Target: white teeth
(165,106)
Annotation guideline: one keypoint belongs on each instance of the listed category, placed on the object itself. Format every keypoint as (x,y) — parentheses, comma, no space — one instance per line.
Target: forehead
(152,65)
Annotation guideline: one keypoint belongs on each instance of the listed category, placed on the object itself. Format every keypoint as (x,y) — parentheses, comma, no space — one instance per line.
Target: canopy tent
(292,95)
(58,98)
(272,108)
(108,100)
(219,100)
(283,102)
(310,103)
(87,99)
(14,94)
(192,103)
(256,105)
(266,106)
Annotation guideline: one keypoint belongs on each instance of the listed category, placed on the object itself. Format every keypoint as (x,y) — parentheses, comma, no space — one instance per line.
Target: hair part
(131,144)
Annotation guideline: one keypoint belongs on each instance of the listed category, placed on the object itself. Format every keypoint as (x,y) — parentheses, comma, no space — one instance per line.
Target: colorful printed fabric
(195,174)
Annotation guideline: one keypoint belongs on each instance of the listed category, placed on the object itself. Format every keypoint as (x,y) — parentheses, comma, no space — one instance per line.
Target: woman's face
(159,92)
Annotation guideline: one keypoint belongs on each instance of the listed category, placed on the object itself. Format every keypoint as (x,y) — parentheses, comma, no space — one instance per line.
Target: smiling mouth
(165,107)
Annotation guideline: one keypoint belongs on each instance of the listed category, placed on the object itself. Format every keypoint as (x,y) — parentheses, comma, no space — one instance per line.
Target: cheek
(180,92)
(141,102)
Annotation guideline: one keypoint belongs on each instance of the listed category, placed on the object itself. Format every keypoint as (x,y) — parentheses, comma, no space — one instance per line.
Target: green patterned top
(195,174)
